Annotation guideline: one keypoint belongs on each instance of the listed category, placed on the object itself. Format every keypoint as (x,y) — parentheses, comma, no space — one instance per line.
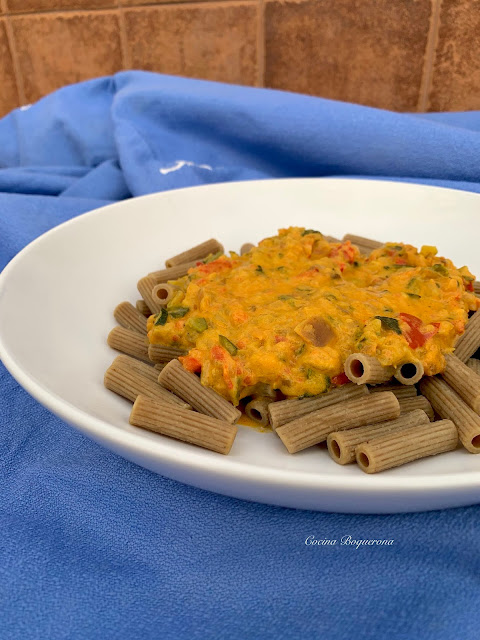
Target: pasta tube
(469,342)
(410,372)
(198,252)
(463,380)
(129,317)
(418,402)
(363,369)
(129,342)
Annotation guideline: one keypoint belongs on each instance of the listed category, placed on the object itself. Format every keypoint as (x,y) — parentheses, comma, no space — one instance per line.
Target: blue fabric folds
(92,546)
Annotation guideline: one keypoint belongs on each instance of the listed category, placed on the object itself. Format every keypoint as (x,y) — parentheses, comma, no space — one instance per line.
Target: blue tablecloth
(92,546)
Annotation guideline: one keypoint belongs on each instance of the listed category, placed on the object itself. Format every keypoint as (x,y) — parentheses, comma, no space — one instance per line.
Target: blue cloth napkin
(92,546)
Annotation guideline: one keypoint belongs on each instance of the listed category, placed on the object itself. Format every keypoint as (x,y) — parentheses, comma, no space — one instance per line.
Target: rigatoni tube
(448,404)
(161,354)
(474,365)
(412,404)
(464,380)
(257,410)
(315,427)
(144,309)
(287,410)
(198,252)
(129,342)
(172,273)
(400,390)
(145,287)
(409,372)
(129,382)
(180,424)
(341,444)
(469,342)
(188,386)
(363,369)
(129,317)
(399,447)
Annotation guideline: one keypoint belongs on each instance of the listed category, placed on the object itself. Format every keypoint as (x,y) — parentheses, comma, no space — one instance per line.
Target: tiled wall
(406,55)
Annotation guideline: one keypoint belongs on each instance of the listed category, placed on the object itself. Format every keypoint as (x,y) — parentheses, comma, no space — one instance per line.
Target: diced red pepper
(280,339)
(191,364)
(400,261)
(340,379)
(413,335)
(218,352)
(469,286)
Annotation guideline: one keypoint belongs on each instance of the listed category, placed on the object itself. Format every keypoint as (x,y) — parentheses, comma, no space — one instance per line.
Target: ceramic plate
(75,275)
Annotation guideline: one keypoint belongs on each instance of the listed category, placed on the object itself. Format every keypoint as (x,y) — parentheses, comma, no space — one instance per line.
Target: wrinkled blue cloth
(92,546)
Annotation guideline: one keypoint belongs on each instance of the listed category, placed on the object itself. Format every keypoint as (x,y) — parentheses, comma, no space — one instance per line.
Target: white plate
(74,275)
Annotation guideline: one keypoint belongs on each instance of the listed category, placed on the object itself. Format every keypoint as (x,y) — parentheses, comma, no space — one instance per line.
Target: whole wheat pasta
(364,242)
(127,316)
(400,390)
(145,287)
(188,386)
(143,307)
(180,424)
(163,293)
(363,369)
(448,404)
(159,354)
(315,427)
(474,365)
(257,410)
(147,370)
(287,410)
(469,342)
(409,372)
(129,342)
(412,404)
(399,447)
(129,382)
(463,380)
(331,239)
(172,273)
(476,287)
(341,444)
(158,367)
(245,248)
(198,252)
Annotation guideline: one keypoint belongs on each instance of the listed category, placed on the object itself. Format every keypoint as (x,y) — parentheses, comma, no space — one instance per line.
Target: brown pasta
(412,404)
(162,293)
(129,382)
(315,427)
(463,380)
(129,317)
(476,287)
(147,370)
(180,424)
(469,342)
(449,405)
(288,410)
(129,342)
(257,410)
(364,242)
(172,273)
(400,390)
(474,365)
(188,386)
(143,307)
(341,444)
(145,287)
(245,248)
(199,252)
(409,372)
(161,355)
(331,239)
(363,369)
(399,447)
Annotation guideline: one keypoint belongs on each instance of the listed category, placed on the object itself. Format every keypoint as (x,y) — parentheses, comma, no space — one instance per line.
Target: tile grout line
(430,52)
(126,62)
(15,62)
(261,44)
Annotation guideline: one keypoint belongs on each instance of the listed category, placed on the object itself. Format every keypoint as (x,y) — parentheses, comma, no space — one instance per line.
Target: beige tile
(365,51)
(210,41)
(21,6)
(456,67)
(55,49)
(8,95)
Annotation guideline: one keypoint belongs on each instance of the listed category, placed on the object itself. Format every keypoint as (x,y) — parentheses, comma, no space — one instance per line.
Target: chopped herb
(300,350)
(212,257)
(412,295)
(397,247)
(259,269)
(441,269)
(310,373)
(282,269)
(330,296)
(308,290)
(229,346)
(391,324)
(306,395)
(179,312)
(285,297)
(199,324)
(161,318)
(411,282)
(307,231)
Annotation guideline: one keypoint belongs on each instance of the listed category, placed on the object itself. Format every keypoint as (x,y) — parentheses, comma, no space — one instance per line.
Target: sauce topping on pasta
(289,312)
